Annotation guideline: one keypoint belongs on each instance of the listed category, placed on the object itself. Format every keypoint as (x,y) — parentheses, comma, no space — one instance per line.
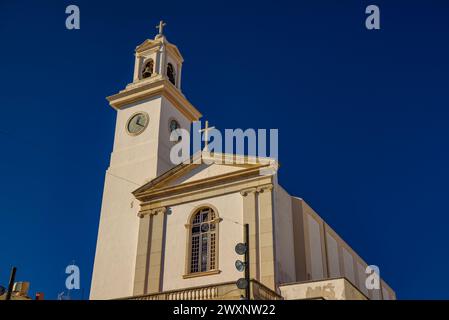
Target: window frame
(188,270)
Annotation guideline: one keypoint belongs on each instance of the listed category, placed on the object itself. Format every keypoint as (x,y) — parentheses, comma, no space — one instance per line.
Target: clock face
(137,123)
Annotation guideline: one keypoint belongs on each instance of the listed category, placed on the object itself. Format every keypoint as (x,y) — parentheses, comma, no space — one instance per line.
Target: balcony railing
(221,291)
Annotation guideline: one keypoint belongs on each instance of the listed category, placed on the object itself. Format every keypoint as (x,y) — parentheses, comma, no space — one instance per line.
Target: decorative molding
(201,274)
(260,189)
(217,291)
(156,45)
(151,191)
(264,188)
(143,82)
(200,193)
(199,158)
(162,86)
(245,192)
(143,54)
(152,212)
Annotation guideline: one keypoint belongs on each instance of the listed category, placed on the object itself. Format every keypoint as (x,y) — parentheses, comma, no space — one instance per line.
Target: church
(170,231)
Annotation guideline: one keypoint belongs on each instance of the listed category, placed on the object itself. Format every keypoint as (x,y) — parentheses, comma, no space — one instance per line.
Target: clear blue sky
(362,117)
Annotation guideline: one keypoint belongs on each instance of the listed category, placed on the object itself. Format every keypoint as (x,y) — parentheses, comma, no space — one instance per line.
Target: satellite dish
(241,248)
(240,265)
(242,283)
(2,290)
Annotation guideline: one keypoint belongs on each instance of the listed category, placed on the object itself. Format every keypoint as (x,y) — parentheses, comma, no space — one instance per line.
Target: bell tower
(148,109)
(157,59)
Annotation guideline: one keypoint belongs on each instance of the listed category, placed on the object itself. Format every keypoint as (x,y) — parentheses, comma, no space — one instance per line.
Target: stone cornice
(154,193)
(152,212)
(248,191)
(170,199)
(264,188)
(198,159)
(160,87)
(259,189)
(156,43)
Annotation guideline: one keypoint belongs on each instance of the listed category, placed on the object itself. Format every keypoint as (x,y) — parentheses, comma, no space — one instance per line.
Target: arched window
(203,240)
(148,69)
(171,73)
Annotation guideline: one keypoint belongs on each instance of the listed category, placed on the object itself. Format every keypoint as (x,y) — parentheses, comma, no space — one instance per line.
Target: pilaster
(149,263)
(250,217)
(258,213)
(266,236)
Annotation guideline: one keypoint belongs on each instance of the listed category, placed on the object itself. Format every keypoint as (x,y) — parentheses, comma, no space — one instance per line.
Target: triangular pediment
(149,44)
(207,170)
(203,171)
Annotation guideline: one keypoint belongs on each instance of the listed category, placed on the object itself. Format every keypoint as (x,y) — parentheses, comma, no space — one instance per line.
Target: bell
(146,73)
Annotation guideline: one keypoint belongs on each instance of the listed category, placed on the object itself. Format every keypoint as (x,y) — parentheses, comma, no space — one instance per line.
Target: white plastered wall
(135,160)
(283,230)
(230,209)
(322,253)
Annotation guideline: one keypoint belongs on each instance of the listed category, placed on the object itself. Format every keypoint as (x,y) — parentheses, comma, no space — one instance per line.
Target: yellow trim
(198,208)
(150,44)
(198,159)
(201,274)
(161,87)
(154,192)
(205,193)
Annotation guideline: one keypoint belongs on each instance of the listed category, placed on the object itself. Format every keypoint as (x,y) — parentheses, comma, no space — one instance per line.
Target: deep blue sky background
(363,120)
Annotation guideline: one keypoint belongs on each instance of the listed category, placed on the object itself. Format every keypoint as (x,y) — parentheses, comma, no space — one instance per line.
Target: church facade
(169,231)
